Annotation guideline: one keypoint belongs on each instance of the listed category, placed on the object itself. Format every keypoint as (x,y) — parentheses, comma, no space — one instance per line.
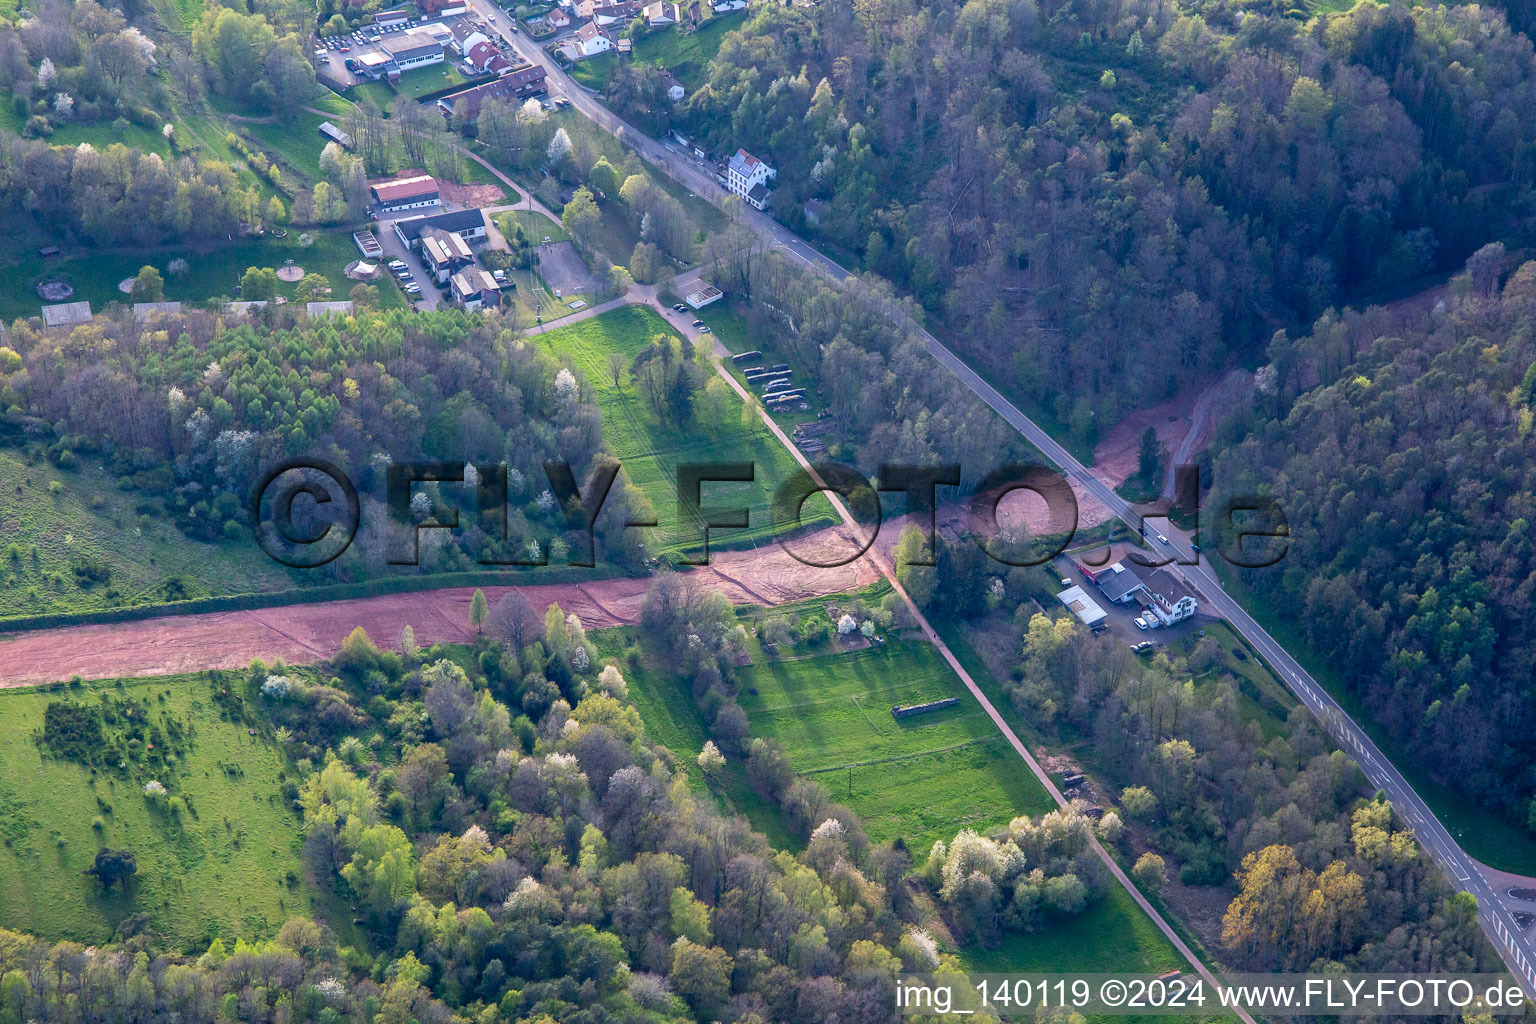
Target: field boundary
(912,756)
(303,595)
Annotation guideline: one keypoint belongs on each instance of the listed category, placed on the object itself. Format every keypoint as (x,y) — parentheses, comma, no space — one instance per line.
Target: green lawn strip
(594,72)
(1482,833)
(223,868)
(105,133)
(535,225)
(651,451)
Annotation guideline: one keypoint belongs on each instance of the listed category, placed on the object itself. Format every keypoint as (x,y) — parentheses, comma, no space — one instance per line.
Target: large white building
(748,177)
(413,49)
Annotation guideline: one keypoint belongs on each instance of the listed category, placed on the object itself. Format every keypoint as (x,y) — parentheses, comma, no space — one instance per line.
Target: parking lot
(431,296)
(338,49)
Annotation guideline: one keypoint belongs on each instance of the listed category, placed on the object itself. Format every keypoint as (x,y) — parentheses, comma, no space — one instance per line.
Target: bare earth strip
(303,633)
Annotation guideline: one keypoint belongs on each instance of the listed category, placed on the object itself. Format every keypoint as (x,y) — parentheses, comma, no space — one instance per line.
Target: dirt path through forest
(304,633)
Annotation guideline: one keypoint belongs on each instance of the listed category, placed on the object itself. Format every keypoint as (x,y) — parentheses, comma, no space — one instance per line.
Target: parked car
(704,330)
(680,308)
(1141,623)
(698,323)
(1145,647)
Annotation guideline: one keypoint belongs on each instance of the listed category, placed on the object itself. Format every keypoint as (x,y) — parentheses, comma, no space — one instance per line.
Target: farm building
(908,710)
(145,310)
(406,193)
(1084,607)
(336,135)
(66,314)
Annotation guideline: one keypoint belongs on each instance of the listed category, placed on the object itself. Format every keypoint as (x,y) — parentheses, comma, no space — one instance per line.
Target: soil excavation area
(304,633)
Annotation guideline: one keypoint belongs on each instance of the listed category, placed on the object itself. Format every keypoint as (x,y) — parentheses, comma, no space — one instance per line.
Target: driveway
(431,298)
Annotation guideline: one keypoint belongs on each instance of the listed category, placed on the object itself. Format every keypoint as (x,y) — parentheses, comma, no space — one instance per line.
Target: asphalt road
(1518,951)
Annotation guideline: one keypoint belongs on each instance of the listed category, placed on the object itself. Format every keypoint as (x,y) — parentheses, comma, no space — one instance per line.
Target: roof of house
(744,163)
(344,307)
(458,220)
(558,17)
(1121,579)
(474,279)
(758,193)
(481,52)
(660,9)
(62,314)
(141,309)
(506,87)
(1168,587)
(590,31)
(499,65)
(433,249)
(405,188)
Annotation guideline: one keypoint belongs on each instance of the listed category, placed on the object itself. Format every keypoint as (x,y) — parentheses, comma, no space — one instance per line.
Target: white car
(1161,539)
(1141,623)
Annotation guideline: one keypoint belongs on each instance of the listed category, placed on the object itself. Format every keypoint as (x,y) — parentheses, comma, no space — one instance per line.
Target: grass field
(688,55)
(214,271)
(297,141)
(228,867)
(46,533)
(921,778)
(651,451)
(535,225)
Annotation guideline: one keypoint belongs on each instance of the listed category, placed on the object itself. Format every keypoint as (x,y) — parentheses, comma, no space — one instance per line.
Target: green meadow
(50,531)
(922,778)
(650,450)
(228,865)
